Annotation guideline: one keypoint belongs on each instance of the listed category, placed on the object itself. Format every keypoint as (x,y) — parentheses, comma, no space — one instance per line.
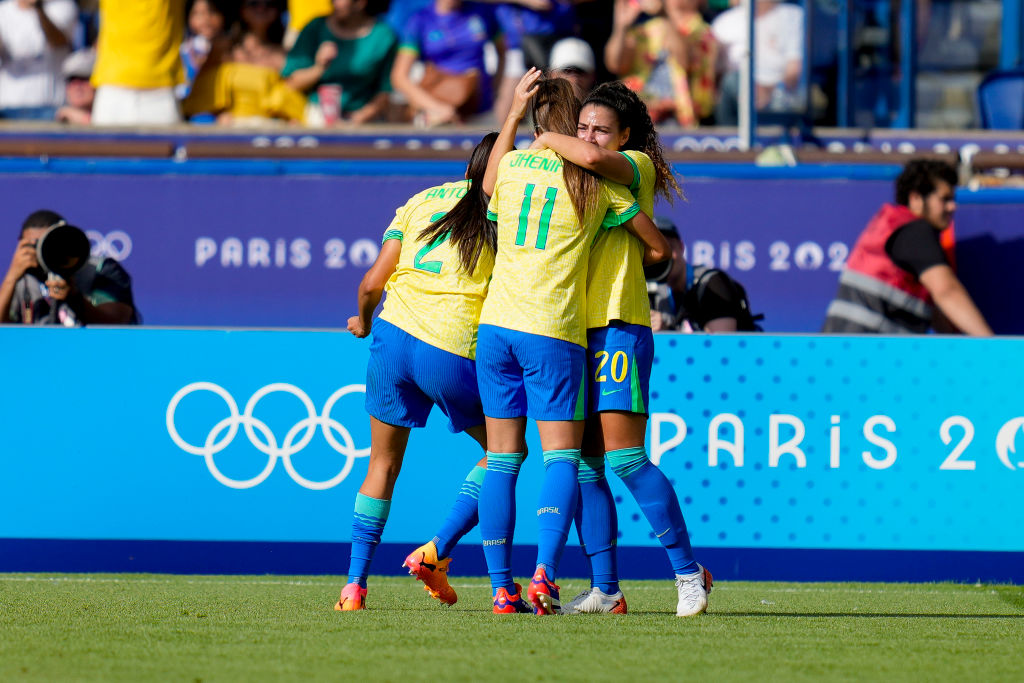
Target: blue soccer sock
(368,520)
(497,507)
(598,524)
(559,495)
(653,492)
(463,515)
(578,519)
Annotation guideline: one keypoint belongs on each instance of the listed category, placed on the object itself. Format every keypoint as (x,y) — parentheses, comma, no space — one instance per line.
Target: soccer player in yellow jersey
(615,138)
(531,351)
(437,255)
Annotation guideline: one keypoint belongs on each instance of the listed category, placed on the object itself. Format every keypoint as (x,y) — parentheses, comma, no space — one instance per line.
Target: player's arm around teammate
(532,341)
(616,138)
(606,163)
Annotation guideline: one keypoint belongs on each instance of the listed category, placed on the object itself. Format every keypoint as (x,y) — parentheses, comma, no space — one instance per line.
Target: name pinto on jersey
(447,192)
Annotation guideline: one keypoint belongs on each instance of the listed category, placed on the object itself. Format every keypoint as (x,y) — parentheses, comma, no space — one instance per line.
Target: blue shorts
(522,374)
(619,360)
(406,377)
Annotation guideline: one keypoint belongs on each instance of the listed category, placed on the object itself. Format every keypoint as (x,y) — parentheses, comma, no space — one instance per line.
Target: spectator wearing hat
(573,60)
(79,93)
(668,59)
(35,37)
(530,30)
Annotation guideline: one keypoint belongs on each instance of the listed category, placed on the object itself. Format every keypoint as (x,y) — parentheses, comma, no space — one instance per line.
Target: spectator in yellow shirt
(138,63)
(261,34)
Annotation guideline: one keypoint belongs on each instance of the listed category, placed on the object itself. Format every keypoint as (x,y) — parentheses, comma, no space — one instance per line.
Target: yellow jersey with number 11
(429,295)
(540,270)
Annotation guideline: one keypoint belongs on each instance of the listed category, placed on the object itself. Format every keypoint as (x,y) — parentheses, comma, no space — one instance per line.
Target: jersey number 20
(545,215)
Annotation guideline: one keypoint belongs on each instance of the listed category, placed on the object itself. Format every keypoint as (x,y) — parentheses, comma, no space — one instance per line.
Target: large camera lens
(658,272)
(63,249)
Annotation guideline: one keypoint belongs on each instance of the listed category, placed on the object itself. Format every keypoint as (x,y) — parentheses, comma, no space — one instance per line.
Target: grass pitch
(213,628)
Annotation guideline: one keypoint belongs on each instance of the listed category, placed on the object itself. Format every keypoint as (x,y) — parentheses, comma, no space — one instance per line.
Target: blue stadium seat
(1001,100)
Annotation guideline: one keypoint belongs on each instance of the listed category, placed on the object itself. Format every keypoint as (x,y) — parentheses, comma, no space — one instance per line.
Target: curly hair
(632,113)
(920,176)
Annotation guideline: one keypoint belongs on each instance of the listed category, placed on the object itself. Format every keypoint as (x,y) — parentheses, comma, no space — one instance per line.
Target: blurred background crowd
(345,63)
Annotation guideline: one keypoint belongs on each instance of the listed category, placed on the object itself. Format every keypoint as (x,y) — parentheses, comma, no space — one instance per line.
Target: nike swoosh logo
(664,532)
(608,393)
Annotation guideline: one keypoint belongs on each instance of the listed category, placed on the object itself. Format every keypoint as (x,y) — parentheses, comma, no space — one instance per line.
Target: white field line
(331,581)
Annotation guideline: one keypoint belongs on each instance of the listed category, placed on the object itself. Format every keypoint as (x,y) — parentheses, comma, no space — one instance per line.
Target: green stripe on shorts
(634,383)
(581,398)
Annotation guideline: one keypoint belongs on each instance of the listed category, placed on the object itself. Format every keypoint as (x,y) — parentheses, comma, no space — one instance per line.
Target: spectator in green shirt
(347,48)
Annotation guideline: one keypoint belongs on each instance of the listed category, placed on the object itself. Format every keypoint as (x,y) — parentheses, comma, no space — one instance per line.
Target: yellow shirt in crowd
(246,91)
(301,12)
(429,295)
(138,44)
(540,271)
(616,287)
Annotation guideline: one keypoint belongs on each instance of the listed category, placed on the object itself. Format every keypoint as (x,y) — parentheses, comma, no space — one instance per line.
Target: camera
(62,250)
(658,272)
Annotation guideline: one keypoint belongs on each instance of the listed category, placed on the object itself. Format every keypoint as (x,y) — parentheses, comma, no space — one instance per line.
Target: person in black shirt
(899,278)
(99,292)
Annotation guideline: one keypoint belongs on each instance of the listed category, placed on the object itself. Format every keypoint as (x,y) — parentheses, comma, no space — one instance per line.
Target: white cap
(571,52)
(79,64)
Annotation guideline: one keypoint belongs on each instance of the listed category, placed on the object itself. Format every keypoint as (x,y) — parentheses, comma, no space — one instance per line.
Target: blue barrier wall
(284,244)
(795,457)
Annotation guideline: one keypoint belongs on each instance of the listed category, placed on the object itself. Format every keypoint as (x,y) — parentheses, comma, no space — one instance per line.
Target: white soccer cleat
(596,601)
(693,592)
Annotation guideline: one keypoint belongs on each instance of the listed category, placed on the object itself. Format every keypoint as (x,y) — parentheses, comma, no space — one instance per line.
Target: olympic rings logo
(223,433)
(115,244)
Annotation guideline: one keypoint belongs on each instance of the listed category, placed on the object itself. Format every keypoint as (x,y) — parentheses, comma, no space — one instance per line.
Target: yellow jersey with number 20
(429,295)
(540,270)
(616,287)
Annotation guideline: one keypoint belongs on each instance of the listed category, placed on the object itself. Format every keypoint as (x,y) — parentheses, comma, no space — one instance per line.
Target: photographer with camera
(53,279)
(695,299)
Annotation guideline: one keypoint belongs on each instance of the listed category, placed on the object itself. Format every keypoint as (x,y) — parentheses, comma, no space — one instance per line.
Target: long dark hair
(556,108)
(632,113)
(468,229)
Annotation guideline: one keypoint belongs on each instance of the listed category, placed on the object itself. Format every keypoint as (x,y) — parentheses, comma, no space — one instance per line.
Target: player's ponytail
(469,231)
(556,108)
(632,113)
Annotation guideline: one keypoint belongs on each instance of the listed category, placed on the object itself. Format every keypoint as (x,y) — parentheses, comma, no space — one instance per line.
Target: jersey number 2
(430,266)
(545,215)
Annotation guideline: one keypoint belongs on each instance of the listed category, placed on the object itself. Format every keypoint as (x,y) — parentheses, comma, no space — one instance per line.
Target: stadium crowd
(327,63)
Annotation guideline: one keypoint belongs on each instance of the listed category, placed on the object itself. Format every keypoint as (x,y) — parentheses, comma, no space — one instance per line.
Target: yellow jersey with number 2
(616,287)
(429,295)
(540,270)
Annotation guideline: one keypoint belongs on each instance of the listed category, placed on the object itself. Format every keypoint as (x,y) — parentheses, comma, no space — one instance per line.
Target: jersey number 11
(545,215)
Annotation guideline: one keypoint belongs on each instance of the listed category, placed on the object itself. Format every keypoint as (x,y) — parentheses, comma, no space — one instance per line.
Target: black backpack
(739,304)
